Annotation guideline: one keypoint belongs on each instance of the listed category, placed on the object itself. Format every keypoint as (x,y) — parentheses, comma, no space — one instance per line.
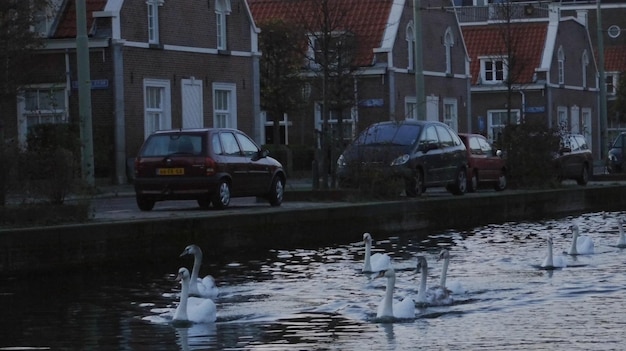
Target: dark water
(312,299)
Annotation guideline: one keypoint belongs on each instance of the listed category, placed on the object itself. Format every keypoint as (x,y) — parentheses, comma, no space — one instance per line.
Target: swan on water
(454,287)
(581,244)
(376,262)
(192,309)
(434,296)
(551,262)
(204,287)
(387,307)
(621,243)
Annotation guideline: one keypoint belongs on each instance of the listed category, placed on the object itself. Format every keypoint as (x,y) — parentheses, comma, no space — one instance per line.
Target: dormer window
(561,65)
(493,70)
(611,82)
(222,9)
(585,63)
(448,42)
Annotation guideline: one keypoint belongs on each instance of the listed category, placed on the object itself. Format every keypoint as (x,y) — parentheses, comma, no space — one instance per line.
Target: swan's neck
(197,261)
(549,260)
(622,236)
(367,266)
(388,302)
(181,310)
(421,294)
(444,272)
(573,250)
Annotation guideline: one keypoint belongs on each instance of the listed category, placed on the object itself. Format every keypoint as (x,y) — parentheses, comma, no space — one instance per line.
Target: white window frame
(285,122)
(225,116)
(450,113)
(162,113)
(611,89)
(333,121)
(562,118)
(561,65)
(43,113)
(410,108)
(448,44)
(494,71)
(222,10)
(410,45)
(491,125)
(153,20)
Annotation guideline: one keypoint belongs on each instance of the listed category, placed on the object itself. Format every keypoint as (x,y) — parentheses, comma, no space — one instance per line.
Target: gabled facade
(154,64)
(384,81)
(552,72)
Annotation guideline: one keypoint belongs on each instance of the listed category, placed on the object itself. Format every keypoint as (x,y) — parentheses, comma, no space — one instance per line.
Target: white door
(192,103)
(432,108)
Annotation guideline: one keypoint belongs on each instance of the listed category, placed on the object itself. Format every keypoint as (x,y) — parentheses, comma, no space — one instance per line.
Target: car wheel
(460,183)
(584,176)
(472,182)
(221,198)
(145,204)
(501,183)
(415,186)
(204,203)
(276,192)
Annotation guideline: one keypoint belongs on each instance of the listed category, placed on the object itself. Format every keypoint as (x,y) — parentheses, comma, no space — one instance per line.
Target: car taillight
(210,166)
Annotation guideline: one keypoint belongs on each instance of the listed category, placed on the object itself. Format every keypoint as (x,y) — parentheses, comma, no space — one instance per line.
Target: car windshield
(392,133)
(171,144)
(618,141)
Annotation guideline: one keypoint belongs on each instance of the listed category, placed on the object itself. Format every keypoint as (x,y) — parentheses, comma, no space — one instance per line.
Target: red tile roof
(487,40)
(67,23)
(615,58)
(366,18)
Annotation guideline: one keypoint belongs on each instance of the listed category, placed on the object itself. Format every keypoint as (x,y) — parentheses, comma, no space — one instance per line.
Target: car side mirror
(261,154)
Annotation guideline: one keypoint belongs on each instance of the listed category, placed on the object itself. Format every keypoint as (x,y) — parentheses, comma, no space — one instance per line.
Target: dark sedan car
(422,153)
(615,159)
(486,165)
(209,165)
(574,159)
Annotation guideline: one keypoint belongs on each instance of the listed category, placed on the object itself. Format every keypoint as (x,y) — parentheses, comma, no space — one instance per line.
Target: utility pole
(602,99)
(84,94)
(420,98)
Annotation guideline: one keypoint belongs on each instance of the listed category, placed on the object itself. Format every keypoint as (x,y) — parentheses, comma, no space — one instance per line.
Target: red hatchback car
(209,165)
(486,165)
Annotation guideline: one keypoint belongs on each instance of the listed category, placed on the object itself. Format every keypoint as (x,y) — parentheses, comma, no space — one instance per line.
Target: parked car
(574,159)
(615,159)
(485,164)
(422,153)
(209,165)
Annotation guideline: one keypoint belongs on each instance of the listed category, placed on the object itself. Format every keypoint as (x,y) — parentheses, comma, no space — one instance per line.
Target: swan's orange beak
(179,277)
(380,274)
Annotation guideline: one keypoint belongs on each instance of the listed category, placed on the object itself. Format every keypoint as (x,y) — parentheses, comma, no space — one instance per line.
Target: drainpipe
(523,114)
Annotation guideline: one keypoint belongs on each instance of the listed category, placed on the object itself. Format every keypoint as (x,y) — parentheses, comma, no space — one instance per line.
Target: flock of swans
(196,302)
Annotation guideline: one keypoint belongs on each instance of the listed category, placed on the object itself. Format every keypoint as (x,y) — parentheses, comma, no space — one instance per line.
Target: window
(410,48)
(448,43)
(248,147)
(222,9)
(230,144)
(339,51)
(585,63)
(561,65)
(347,122)
(450,113)
(38,105)
(410,108)
(153,20)
(611,83)
(561,112)
(157,113)
(224,105)
(497,120)
(493,70)
(283,124)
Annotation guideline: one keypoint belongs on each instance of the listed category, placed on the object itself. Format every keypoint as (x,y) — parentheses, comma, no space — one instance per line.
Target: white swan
(551,262)
(387,307)
(376,262)
(581,244)
(204,287)
(621,243)
(454,287)
(192,309)
(434,296)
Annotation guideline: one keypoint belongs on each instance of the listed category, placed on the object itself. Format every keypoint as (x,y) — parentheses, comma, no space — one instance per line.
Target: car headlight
(400,160)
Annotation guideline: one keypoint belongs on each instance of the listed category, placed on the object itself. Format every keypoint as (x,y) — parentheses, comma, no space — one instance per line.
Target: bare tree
(619,107)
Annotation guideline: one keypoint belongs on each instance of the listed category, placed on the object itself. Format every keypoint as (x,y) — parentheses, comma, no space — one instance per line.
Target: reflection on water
(310,299)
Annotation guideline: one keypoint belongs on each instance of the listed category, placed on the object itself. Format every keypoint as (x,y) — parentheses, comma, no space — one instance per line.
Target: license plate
(170,171)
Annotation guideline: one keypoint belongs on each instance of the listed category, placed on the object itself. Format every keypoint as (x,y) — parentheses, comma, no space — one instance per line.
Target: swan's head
(191,250)
(574,228)
(444,254)
(367,238)
(387,273)
(421,263)
(183,274)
